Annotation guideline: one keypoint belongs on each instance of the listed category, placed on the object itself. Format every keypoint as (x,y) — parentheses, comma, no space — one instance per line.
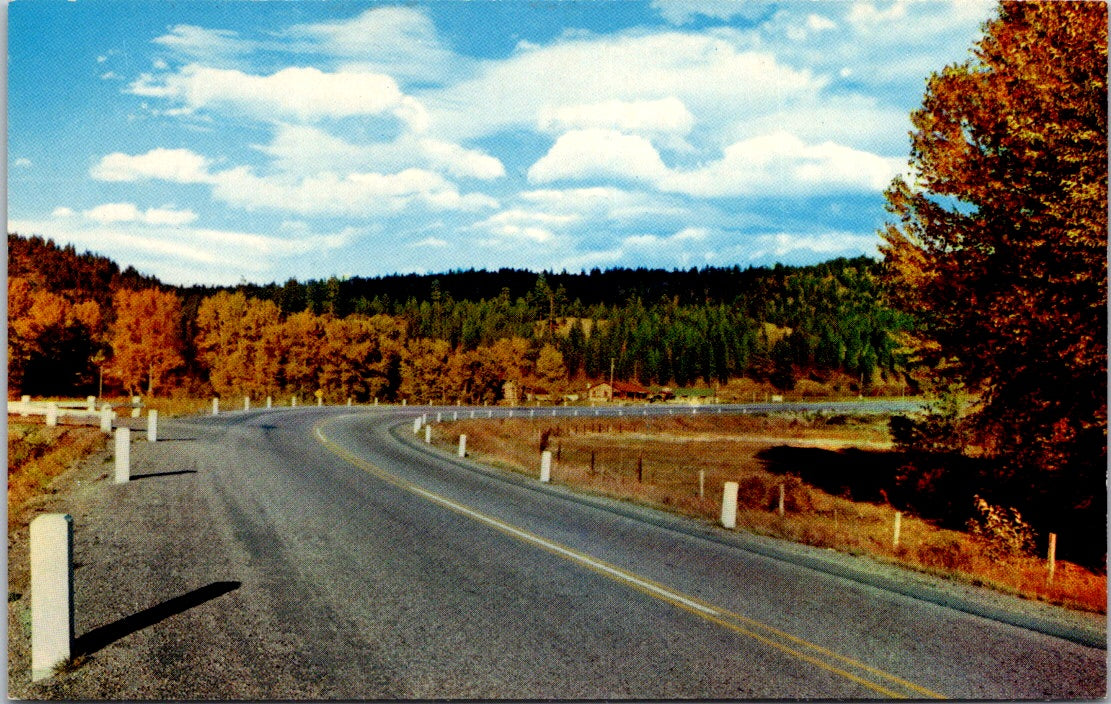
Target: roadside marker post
(439,417)
(51,548)
(428,434)
(51,414)
(216,406)
(462,445)
(729,504)
(24,406)
(269,401)
(782,495)
(152,425)
(898,529)
(701,483)
(123,455)
(546,466)
(106,419)
(90,404)
(416,425)
(135,401)
(246,403)
(1052,555)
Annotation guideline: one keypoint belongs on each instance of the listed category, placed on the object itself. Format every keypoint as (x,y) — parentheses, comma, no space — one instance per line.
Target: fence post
(729,504)
(90,404)
(216,406)
(898,529)
(51,547)
(152,425)
(1052,555)
(462,445)
(546,466)
(416,425)
(24,406)
(51,414)
(106,419)
(428,433)
(293,402)
(269,401)
(123,455)
(246,403)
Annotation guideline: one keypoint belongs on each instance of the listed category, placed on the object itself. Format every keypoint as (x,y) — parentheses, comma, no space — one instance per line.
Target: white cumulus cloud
(175,165)
(668,115)
(596,153)
(302,93)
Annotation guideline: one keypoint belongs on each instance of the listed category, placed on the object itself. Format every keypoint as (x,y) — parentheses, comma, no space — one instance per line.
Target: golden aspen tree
(145,338)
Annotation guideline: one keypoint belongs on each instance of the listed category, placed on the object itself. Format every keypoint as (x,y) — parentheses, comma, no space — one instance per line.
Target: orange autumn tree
(145,338)
(1000,248)
(50,339)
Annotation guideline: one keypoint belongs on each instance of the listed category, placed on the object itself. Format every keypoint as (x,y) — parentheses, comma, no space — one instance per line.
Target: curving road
(322,554)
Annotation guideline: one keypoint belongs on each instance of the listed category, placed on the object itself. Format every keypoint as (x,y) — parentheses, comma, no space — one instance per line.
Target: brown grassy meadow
(657,461)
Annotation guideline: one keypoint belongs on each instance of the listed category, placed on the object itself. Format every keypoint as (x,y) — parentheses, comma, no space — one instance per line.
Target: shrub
(1001,531)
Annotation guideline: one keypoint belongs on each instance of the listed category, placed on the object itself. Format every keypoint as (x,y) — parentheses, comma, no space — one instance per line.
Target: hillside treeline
(77,323)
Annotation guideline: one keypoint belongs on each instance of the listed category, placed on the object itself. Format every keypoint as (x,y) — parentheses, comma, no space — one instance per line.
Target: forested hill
(609,287)
(774,325)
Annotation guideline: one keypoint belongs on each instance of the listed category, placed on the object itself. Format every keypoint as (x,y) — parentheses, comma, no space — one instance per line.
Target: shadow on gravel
(103,636)
(162,474)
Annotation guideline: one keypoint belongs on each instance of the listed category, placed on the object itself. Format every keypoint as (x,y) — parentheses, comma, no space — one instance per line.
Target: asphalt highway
(322,554)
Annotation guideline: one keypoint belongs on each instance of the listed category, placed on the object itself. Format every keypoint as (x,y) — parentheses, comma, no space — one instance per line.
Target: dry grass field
(658,461)
(38,454)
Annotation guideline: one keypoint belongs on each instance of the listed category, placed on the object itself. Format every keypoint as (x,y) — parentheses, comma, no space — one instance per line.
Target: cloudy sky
(212,142)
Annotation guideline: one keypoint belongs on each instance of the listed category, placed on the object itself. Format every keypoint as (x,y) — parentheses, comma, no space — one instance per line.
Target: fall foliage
(1000,249)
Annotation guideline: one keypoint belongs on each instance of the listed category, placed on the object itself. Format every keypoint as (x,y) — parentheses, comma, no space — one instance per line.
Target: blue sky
(214,142)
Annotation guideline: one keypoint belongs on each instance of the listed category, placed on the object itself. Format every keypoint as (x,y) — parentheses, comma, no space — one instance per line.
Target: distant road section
(310,554)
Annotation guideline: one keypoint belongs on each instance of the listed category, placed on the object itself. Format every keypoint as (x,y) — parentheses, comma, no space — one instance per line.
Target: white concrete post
(216,406)
(428,433)
(701,483)
(349,402)
(439,417)
(1052,555)
(51,538)
(531,413)
(455,415)
(123,455)
(416,425)
(135,400)
(575,412)
(152,425)
(424,419)
(404,401)
(52,414)
(269,401)
(462,445)
(246,403)
(510,412)
(90,404)
(375,400)
(472,415)
(546,466)
(293,402)
(24,406)
(319,400)
(729,505)
(106,419)
(898,528)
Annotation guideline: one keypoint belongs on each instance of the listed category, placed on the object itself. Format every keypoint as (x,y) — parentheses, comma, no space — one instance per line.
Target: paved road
(311,554)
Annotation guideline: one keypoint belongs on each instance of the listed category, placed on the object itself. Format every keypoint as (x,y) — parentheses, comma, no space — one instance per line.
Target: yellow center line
(768,635)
